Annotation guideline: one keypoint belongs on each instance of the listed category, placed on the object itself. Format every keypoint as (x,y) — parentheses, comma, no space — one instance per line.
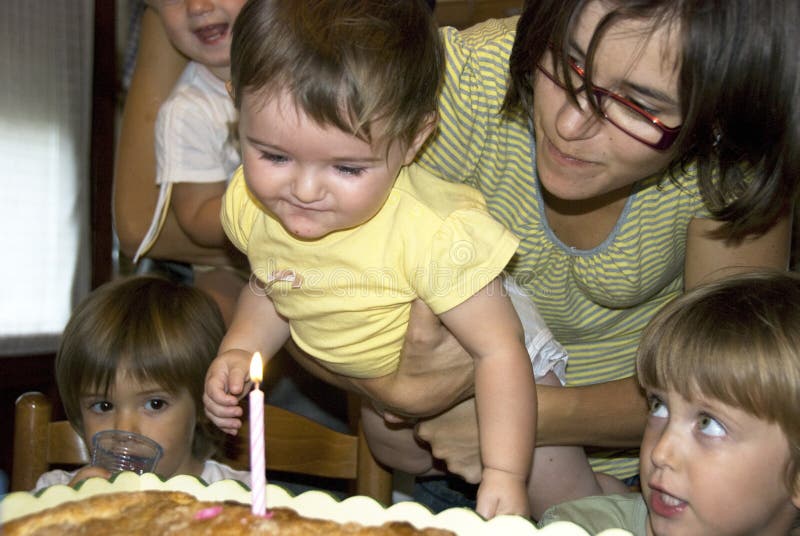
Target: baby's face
(149,410)
(201,29)
(709,468)
(315,179)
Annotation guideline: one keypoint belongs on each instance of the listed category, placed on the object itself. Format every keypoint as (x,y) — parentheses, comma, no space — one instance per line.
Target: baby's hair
(736,340)
(157,330)
(346,63)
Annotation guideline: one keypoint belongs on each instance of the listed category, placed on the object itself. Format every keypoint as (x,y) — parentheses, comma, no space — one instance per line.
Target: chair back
(294,444)
(40,442)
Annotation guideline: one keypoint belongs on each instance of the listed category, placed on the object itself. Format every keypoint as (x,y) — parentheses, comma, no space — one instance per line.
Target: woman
(680,167)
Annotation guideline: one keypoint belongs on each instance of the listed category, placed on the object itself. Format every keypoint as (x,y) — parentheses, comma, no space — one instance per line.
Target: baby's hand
(502,492)
(226,383)
(89,471)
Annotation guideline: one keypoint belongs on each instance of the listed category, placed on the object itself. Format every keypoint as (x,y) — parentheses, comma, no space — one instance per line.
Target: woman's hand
(453,438)
(434,373)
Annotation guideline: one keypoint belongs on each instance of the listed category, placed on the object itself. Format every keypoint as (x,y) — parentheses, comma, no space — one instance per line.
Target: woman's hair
(155,329)
(346,63)
(736,341)
(739,91)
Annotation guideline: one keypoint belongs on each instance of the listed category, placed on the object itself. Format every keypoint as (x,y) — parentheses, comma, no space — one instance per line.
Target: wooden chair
(293,443)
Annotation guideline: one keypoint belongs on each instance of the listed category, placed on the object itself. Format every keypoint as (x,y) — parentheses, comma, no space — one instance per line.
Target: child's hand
(89,471)
(502,492)
(226,383)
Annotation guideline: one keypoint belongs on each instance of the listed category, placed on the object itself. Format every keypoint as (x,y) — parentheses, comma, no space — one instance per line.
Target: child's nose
(665,450)
(307,188)
(127,422)
(199,7)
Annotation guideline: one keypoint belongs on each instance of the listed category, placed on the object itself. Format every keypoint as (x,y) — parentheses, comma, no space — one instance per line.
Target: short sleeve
(188,144)
(475,84)
(239,212)
(468,251)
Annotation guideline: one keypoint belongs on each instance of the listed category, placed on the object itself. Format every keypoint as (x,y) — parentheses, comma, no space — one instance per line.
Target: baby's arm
(488,327)
(256,326)
(197,207)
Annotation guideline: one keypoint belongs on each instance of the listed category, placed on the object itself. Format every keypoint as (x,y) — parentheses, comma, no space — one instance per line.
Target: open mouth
(212,33)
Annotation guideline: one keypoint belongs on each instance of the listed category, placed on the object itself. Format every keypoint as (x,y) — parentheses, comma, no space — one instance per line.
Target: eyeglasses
(619,111)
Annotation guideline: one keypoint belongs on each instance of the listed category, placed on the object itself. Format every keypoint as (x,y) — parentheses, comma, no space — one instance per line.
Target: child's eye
(274,158)
(350,170)
(710,426)
(102,406)
(657,407)
(156,404)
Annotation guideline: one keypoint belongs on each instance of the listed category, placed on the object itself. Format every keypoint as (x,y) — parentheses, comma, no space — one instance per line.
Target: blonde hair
(157,330)
(737,341)
(346,63)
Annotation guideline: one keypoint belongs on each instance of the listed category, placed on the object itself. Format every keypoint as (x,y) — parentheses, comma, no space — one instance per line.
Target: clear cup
(117,450)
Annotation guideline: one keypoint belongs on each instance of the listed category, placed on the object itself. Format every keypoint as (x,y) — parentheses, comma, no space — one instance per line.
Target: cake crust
(155,513)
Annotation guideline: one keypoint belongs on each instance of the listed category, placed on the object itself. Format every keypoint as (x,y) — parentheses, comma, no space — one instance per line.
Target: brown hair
(157,330)
(347,63)
(737,341)
(739,89)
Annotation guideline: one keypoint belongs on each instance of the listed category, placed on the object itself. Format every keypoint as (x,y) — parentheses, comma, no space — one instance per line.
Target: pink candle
(258,479)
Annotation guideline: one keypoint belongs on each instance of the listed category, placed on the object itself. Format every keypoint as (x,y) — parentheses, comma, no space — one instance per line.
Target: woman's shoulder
(674,193)
(482,49)
(486,34)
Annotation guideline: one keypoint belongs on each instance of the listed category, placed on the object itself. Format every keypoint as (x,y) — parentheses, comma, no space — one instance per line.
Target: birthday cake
(173,512)
(131,504)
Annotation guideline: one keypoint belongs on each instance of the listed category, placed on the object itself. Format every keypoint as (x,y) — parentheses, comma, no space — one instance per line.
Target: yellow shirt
(432,240)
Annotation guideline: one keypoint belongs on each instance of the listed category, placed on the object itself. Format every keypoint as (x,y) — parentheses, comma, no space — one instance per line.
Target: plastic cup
(117,450)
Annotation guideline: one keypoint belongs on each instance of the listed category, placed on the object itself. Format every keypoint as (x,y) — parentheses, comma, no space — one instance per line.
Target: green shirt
(595,514)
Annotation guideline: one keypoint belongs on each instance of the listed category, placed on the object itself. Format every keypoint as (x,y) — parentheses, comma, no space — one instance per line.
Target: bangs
(155,330)
(711,347)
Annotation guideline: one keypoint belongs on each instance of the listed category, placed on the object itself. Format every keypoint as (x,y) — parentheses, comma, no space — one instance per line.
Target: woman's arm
(708,258)
(158,66)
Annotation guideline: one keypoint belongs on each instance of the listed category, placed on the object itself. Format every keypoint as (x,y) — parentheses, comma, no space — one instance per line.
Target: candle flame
(256,367)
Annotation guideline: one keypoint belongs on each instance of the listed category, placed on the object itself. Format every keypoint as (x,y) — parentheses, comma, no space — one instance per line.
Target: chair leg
(374,480)
(31,418)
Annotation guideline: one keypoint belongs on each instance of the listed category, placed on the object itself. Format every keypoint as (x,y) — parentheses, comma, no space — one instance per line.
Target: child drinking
(721,451)
(343,233)
(133,357)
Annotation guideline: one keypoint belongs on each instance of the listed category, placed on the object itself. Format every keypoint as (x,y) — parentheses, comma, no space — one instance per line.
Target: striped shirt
(596,302)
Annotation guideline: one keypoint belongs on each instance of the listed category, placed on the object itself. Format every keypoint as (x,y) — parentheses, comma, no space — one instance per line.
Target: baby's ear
(427,128)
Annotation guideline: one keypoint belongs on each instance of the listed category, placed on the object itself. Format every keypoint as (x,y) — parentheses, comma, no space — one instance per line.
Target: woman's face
(580,156)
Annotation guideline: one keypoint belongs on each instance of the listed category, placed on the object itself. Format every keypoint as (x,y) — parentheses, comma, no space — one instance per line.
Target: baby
(343,232)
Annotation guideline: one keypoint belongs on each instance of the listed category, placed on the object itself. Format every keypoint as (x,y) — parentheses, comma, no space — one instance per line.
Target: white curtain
(45,120)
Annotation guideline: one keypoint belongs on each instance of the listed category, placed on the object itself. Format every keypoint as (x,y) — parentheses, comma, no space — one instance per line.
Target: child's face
(709,468)
(201,29)
(147,409)
(314,179)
